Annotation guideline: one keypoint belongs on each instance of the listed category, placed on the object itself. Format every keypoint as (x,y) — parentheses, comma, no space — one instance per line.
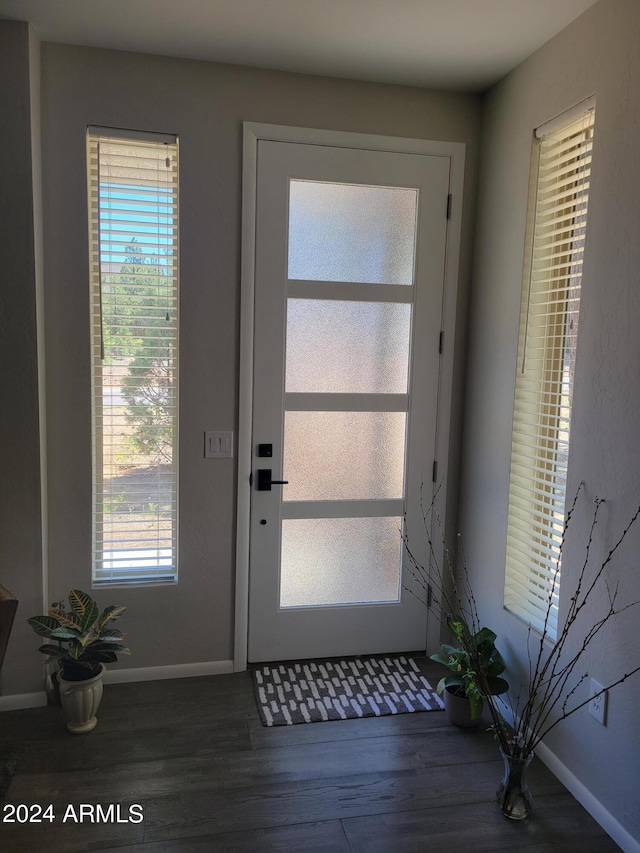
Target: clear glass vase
(513,794)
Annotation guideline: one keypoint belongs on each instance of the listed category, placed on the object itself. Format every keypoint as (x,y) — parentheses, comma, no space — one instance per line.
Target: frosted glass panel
(351,232)
(344,455)
(340,561)
(347,347)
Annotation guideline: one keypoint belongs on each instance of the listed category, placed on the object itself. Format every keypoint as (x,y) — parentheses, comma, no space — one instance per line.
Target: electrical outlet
(598,704)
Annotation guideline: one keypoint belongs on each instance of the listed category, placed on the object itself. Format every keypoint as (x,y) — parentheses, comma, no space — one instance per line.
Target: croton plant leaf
(44,625)
(62,633)
(84,607)
(110,613)
(68,620)
(110,635)
(52,651)
(113,646)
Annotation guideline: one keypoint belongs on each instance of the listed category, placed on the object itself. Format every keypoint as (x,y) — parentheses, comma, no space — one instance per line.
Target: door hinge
(429,595)
(441,343)
(434,475)
(449,200)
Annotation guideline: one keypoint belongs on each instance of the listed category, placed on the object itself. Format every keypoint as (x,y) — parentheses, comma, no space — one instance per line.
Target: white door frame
(253,132)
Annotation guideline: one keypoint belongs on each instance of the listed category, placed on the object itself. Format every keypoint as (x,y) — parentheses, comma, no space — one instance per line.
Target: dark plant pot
(72,671)
(458,709)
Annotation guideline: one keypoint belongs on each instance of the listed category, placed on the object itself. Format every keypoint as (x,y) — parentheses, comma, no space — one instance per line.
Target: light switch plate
(218,444)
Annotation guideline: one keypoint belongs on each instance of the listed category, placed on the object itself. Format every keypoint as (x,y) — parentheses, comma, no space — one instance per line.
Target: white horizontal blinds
(546,359)
(133,209)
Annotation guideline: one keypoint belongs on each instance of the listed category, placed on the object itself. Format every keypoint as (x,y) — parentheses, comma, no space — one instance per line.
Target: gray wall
(598,54)
(205,105)
(21,550)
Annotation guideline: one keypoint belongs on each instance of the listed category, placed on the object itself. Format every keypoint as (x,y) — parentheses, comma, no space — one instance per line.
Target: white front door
(349,269)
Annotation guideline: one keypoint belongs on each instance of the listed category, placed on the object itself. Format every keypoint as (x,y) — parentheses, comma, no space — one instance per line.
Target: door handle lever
(265,482)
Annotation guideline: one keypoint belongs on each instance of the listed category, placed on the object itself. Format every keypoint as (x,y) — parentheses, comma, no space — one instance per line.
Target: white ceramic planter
(80,702)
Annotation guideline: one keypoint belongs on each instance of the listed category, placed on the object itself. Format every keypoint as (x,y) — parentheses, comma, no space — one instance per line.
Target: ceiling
(460,45)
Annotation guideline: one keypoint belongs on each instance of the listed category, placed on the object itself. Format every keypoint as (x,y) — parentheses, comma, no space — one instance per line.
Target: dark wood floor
(209,777)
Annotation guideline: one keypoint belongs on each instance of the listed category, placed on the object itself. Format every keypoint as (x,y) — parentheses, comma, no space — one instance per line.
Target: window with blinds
(133,243)
(546,360)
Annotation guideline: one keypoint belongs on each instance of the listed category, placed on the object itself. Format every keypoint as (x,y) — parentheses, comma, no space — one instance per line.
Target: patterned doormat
(291,693)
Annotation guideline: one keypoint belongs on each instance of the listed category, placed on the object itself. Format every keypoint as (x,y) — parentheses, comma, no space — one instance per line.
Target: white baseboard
(161,673)
(20,701)
(595,808)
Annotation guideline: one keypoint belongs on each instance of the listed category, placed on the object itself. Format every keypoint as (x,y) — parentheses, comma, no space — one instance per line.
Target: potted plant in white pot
(83,644)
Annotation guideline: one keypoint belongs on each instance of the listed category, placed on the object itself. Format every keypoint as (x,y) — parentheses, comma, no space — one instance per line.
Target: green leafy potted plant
(83,643)
(476,666)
